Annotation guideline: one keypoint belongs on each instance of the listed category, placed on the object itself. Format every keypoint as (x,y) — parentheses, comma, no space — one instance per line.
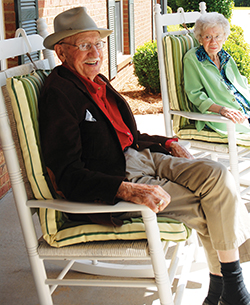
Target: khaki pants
(203,196)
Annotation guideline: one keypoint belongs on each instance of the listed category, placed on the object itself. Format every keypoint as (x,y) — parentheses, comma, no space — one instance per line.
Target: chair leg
(214,156)
(189,255)
(157,258)
(194,240)
(233,154)
(40,277)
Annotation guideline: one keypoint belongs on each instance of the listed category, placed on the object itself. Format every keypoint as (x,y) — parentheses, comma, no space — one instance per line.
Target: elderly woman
(212,80)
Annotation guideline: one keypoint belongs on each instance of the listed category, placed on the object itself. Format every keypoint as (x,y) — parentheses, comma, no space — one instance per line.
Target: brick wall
(9,24)
(9,18)
(48,9)
(143,21)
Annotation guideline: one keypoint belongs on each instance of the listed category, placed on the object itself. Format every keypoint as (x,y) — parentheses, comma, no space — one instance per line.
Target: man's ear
(60,52)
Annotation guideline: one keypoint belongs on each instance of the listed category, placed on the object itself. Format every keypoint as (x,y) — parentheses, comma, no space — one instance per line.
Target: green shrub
(239,50)
(241,3)
(146,66)
(169,10)
(224,7)
(173,5)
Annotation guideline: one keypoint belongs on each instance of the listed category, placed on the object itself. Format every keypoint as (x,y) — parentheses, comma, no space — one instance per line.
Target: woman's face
(212,40)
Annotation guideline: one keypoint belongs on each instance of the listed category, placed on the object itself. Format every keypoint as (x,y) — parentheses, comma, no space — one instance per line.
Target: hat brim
(50,41)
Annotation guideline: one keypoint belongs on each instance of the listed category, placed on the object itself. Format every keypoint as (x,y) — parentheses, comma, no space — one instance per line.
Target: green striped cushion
(130,230)
(57,230)
(24,92)
(175,47)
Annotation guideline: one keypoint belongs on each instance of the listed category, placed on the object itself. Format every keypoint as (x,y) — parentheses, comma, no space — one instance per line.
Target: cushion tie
(34,65)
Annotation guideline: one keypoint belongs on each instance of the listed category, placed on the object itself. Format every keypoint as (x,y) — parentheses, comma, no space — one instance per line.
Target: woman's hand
(235,115)
(153,196)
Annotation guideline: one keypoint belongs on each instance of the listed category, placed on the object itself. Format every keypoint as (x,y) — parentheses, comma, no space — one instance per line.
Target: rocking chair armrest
(202,117)
(85,208)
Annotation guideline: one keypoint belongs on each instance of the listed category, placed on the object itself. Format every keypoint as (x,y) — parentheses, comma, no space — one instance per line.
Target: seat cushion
(57,230)
(133,229)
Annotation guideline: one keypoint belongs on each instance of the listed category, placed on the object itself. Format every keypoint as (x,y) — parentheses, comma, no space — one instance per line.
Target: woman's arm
(235,115)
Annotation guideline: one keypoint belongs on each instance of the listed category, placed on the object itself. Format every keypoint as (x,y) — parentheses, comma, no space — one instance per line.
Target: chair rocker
(178,115)
(19,140)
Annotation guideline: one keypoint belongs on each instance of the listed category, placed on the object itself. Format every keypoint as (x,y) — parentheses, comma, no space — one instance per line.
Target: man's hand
(144,194)
(177,150)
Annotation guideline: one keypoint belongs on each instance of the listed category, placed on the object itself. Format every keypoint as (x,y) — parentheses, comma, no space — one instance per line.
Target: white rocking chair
(171,50)
(83,257)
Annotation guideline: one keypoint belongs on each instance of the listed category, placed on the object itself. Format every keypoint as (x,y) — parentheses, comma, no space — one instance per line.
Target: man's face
(87,63)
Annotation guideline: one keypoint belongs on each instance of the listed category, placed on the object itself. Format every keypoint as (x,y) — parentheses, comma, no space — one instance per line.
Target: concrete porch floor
(16,282)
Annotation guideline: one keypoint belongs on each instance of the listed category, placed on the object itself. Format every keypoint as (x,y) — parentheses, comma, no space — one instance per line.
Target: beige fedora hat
(71,22)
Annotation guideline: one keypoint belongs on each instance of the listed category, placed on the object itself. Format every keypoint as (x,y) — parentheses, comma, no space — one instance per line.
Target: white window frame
(120,52)
(3,64)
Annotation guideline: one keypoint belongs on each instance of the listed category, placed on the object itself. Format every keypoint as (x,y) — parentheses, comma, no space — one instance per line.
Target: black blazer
(85,156)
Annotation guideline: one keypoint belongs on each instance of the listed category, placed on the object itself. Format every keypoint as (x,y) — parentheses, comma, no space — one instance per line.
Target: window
(121,41)
(163,6)
(119,26)
(26,16)
(2,62)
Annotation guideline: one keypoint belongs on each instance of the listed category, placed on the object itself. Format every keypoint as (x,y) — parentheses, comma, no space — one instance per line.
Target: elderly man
(92,148)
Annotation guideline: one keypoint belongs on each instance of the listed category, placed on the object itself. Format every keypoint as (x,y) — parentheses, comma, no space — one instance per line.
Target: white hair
(211,20)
